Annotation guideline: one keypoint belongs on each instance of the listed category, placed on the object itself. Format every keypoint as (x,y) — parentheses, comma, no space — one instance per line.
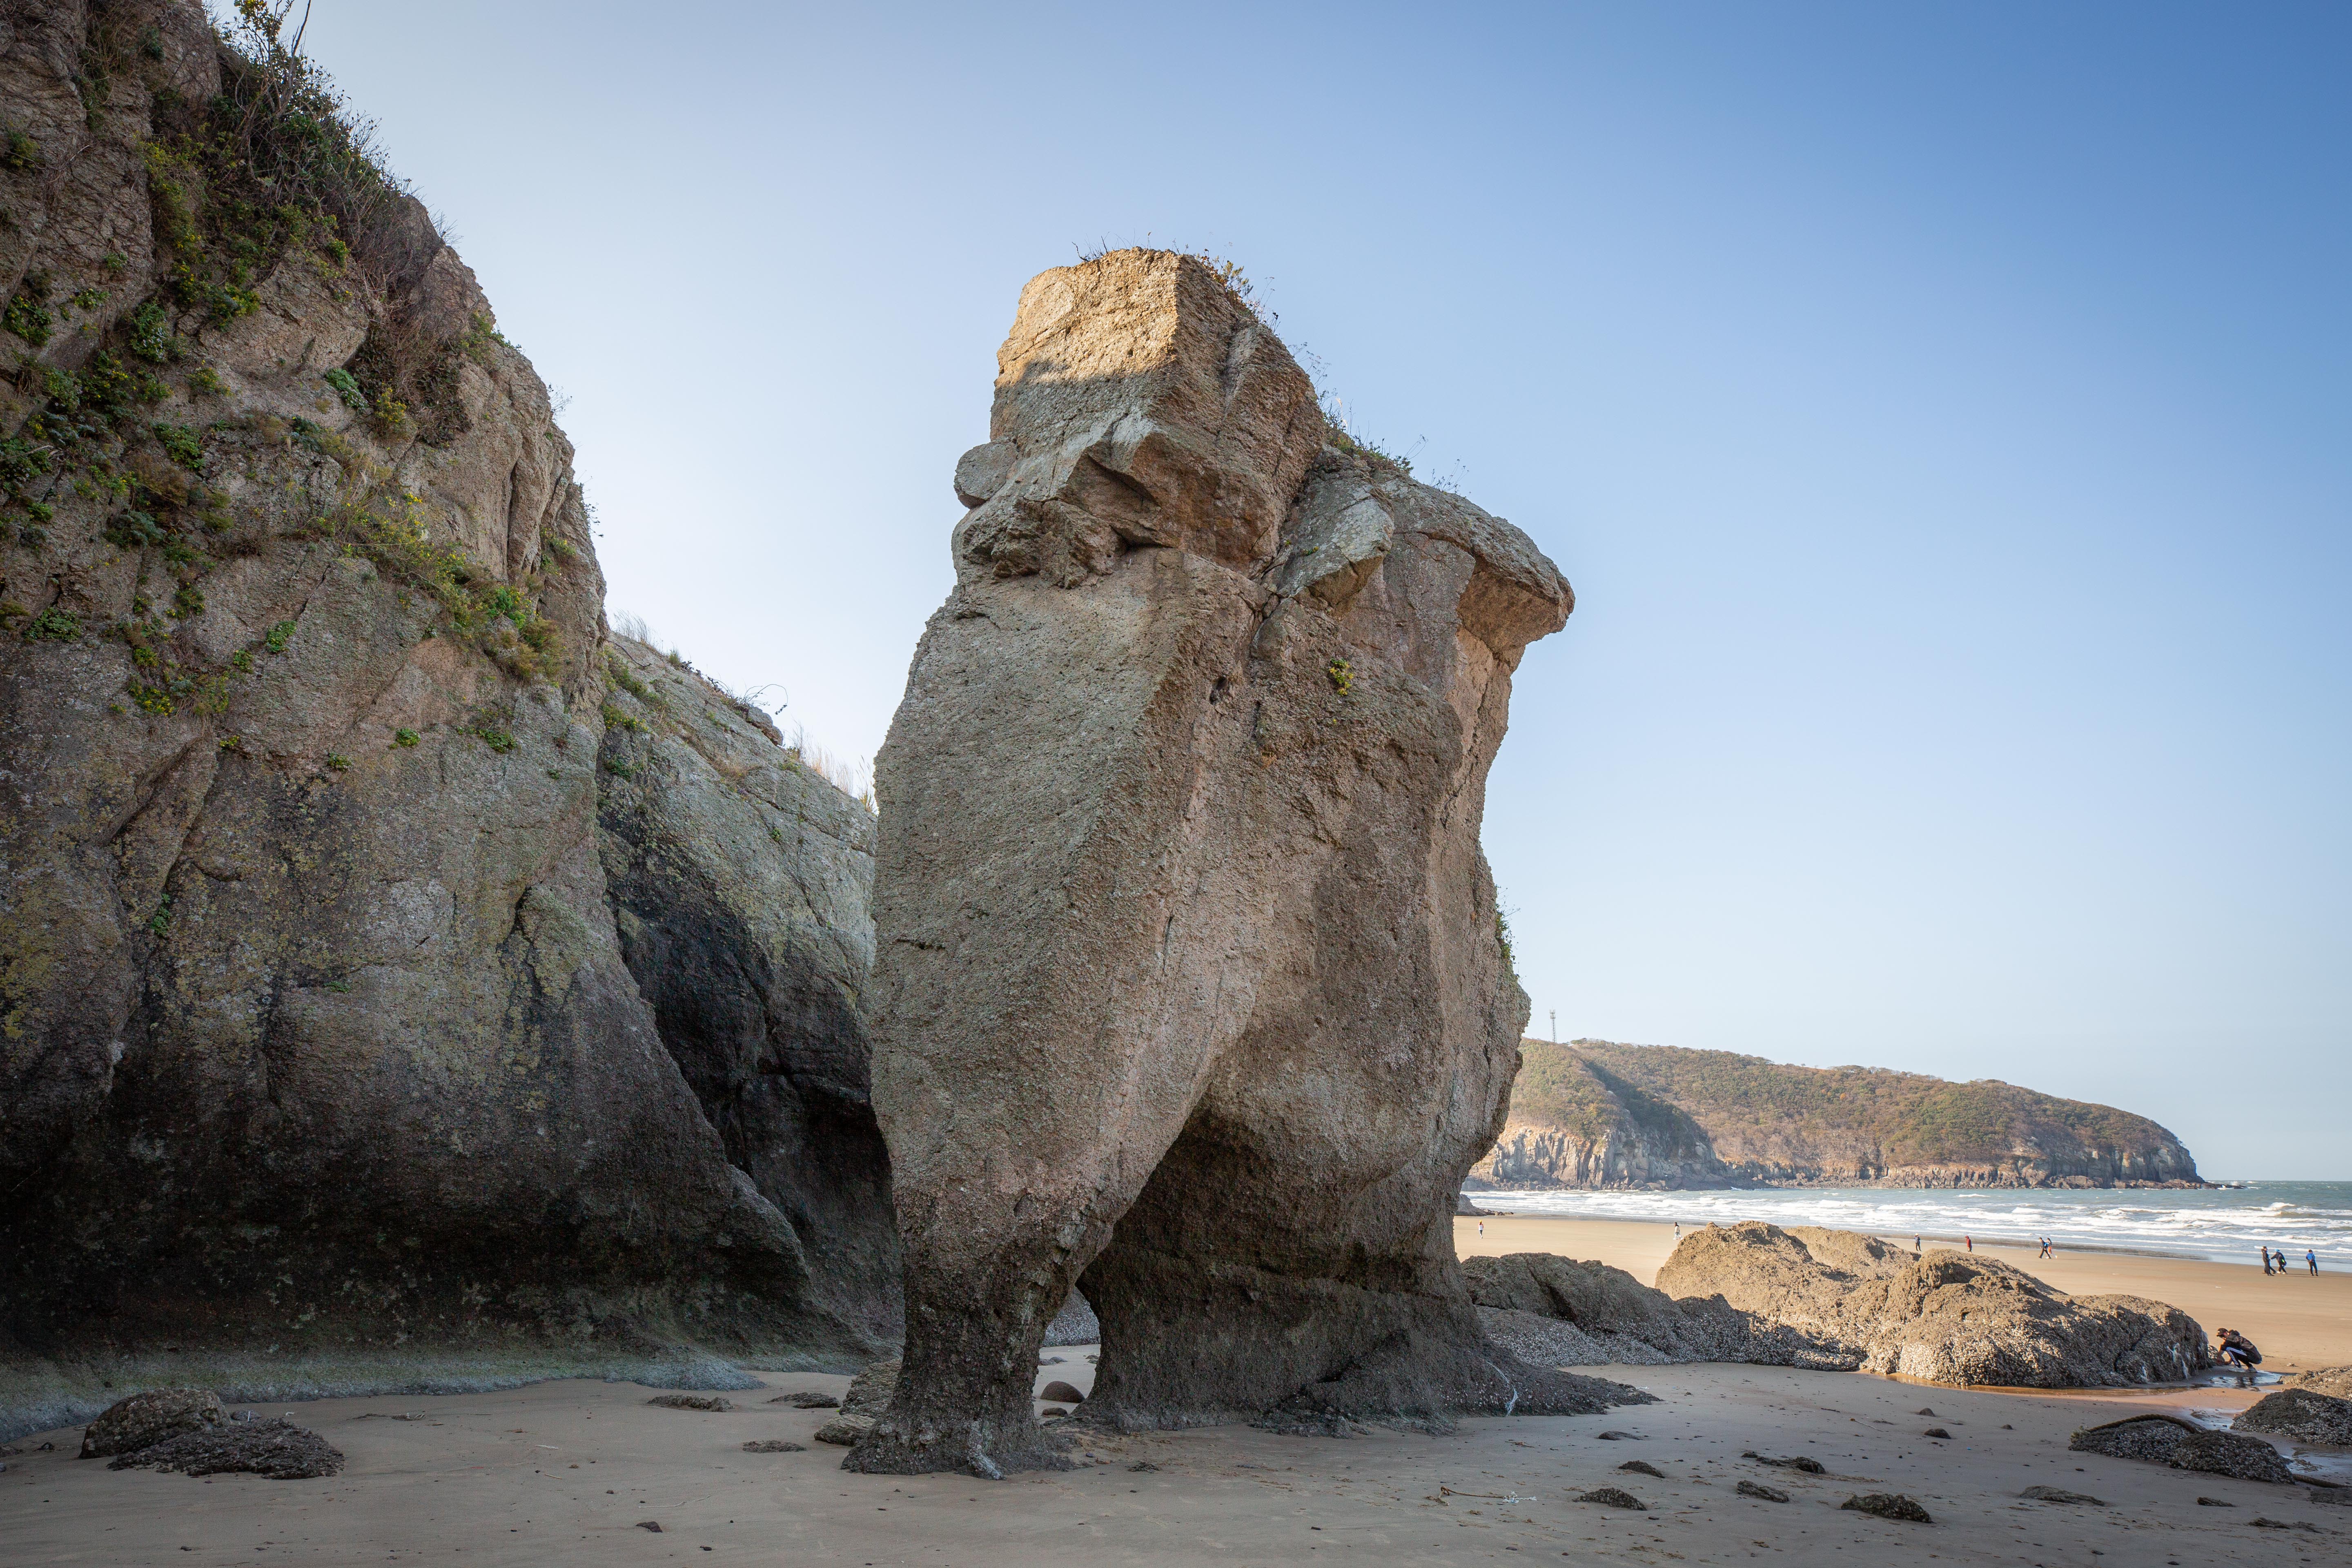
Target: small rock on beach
(1758,1489)
(1612,1497)
(1888,1505)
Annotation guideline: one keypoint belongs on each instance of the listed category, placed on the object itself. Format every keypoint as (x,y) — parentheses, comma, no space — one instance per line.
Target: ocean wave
(2222,1226)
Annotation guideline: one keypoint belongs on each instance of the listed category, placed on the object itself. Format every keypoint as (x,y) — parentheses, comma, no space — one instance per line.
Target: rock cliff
(324,1063)
(1594,1114)
(1189,974)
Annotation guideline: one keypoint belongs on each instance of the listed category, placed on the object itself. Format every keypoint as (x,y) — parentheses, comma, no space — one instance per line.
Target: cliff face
(1573,1125)
(740,881)
(1594,1114)
(321,1060)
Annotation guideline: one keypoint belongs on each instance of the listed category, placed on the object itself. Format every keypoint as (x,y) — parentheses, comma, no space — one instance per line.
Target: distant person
(2235,1350)
(1914,1247)
(1969,1242)
(2311,1258)
(1481,1227)
(2045,1246)
(2266,1259)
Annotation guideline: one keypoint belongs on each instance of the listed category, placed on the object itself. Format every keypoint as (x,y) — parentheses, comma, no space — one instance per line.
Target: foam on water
(2225,1225)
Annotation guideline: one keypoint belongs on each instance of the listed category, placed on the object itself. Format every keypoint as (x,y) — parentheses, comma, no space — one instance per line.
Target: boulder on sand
(1559,1312)
(2184,1445)
(1944,1317)
(2300,1415)
(868,1396)
(2231,1454)
(276,1449)
(146,1419)
(2148,1437)
(1179,814)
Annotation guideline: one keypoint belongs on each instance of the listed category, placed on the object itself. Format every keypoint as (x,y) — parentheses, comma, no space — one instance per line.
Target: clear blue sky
(1942,410)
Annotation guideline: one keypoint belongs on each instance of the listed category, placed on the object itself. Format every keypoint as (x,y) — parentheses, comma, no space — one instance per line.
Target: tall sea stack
(1188,975)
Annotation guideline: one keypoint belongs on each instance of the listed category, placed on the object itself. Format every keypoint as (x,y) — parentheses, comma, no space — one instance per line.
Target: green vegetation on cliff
(1770,1122)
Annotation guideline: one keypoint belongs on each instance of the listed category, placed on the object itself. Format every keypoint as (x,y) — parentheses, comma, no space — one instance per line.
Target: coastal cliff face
(324,1063)
(1188,973)
(1594,1114)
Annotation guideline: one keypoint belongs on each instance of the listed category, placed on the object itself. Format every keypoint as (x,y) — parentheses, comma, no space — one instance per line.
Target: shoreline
(2301,1322)
(1983,1239)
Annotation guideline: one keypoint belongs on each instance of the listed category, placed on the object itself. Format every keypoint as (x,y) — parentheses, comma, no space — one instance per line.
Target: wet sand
(2300,1321)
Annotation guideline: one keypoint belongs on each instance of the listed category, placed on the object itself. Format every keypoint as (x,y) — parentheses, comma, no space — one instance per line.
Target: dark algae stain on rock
(326,1062)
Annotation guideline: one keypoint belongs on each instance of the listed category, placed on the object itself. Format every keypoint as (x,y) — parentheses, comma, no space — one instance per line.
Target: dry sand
(2301,1320)
(562,1472)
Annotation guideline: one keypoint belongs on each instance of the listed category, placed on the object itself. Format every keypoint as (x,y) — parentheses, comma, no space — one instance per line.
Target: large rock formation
(1593,1115)
(739,879)
(320,1064)
(1940,1317)
(1188,973)
(1558,1312)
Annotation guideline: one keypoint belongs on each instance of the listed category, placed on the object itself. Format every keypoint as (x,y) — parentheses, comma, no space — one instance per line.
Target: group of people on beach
(2275,1262)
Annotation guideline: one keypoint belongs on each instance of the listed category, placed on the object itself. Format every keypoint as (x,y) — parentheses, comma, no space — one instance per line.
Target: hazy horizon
(1940,414)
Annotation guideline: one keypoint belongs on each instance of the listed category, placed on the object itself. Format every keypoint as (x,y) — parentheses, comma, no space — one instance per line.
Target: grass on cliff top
(854,780)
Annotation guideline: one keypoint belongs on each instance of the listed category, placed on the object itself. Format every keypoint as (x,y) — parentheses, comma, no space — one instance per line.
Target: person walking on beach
(1969,1242)
(2266,1260)
(2045,1246)
(1914,1247)
(2310,1257)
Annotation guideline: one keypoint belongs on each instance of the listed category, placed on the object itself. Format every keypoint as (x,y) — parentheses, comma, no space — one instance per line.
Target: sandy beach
(566,1471)
(2300,1321)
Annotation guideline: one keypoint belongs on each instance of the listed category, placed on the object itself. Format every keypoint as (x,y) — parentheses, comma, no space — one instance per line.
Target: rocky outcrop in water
(1593,1115)
(322,1063)
(1940,1317)
(1189,974)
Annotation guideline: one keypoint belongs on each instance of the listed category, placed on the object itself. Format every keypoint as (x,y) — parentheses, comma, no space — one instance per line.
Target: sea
(2224,1225)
